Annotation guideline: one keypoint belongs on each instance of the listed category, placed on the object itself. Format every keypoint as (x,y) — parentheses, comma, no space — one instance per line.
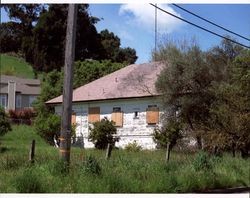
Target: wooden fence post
(108,152)
(32,151)
(168,152)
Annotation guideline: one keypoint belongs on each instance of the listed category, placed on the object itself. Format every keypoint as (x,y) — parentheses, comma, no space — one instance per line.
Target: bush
(170,132)
(23,116)
(134,147)
(48,126)
(4,123)
(91,166)
(202,161)
(102,134)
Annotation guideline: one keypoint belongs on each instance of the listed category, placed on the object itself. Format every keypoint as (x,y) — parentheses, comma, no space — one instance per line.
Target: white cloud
(143,15)
(123,34)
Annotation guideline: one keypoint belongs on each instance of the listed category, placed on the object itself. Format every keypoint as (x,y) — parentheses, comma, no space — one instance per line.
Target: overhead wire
(214,33)
(210,22)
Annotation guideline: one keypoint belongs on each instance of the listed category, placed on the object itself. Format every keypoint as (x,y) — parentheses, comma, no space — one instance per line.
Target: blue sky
(134,24)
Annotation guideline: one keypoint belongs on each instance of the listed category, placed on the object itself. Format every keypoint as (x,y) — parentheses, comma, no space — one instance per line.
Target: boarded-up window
(94,114)
(152,115)
(73,119)
(117,116)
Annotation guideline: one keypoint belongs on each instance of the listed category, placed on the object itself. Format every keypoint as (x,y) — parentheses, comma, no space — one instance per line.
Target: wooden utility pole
(65,136)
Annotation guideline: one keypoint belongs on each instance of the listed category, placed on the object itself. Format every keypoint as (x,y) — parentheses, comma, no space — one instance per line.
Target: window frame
(3,97)
(91,114)
(33,99)
(117,111)
(18,101)
(152,109)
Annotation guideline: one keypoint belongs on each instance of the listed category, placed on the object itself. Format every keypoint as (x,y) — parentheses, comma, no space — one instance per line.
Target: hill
(14,66)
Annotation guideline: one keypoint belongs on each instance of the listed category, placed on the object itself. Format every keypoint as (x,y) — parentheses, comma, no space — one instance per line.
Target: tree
(127,55)
(47,124)
(10,37)
(50,34)
(111,44)
(184,84)
(103,133)
(112,50)
(228,126)
(25,15)
(167,136)
(210,92)
(90,70)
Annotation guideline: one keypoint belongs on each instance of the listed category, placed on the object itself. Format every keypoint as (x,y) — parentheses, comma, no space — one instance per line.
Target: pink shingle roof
(137,80)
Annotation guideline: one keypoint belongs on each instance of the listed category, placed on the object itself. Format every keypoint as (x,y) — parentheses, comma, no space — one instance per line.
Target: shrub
(48,126)
(202,161)
(169,133)
(4,123)
(23,116)
(91,165)
(102,134)
(134,147)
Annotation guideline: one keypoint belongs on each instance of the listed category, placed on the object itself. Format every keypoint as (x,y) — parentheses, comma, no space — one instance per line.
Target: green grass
(125,172)
(10,65)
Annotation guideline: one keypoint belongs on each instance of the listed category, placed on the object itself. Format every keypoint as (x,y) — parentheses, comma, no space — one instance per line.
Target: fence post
(108,152)
(168,152)
(32,151)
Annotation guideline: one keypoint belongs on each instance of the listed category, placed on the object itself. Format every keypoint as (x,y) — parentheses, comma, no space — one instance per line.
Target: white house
(127,96)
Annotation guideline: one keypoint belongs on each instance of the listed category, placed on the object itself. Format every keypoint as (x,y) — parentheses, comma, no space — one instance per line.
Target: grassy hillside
(10,65)
(124,172)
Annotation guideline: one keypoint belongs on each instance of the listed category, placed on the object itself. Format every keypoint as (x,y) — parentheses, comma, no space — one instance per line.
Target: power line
(214,33)
(210,22)
(155,27)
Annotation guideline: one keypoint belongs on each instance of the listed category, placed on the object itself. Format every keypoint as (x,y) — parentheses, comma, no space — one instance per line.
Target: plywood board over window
(94,114)
(152,115)
(117,117)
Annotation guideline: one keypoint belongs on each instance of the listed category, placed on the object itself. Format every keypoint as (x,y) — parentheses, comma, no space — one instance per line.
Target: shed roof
(133,81)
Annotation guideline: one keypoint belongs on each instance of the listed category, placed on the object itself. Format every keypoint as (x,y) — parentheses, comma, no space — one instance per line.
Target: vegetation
(90,70)
(4,122)
(133,147)
(170,133)
(15,66)
(38,33)
(209,92)
(103,133)
(47,124)
(125,172)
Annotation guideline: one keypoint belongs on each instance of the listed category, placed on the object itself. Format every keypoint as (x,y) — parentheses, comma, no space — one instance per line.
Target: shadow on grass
(7,149)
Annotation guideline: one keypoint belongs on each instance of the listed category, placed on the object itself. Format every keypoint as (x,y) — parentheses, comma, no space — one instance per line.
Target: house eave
(103,100)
